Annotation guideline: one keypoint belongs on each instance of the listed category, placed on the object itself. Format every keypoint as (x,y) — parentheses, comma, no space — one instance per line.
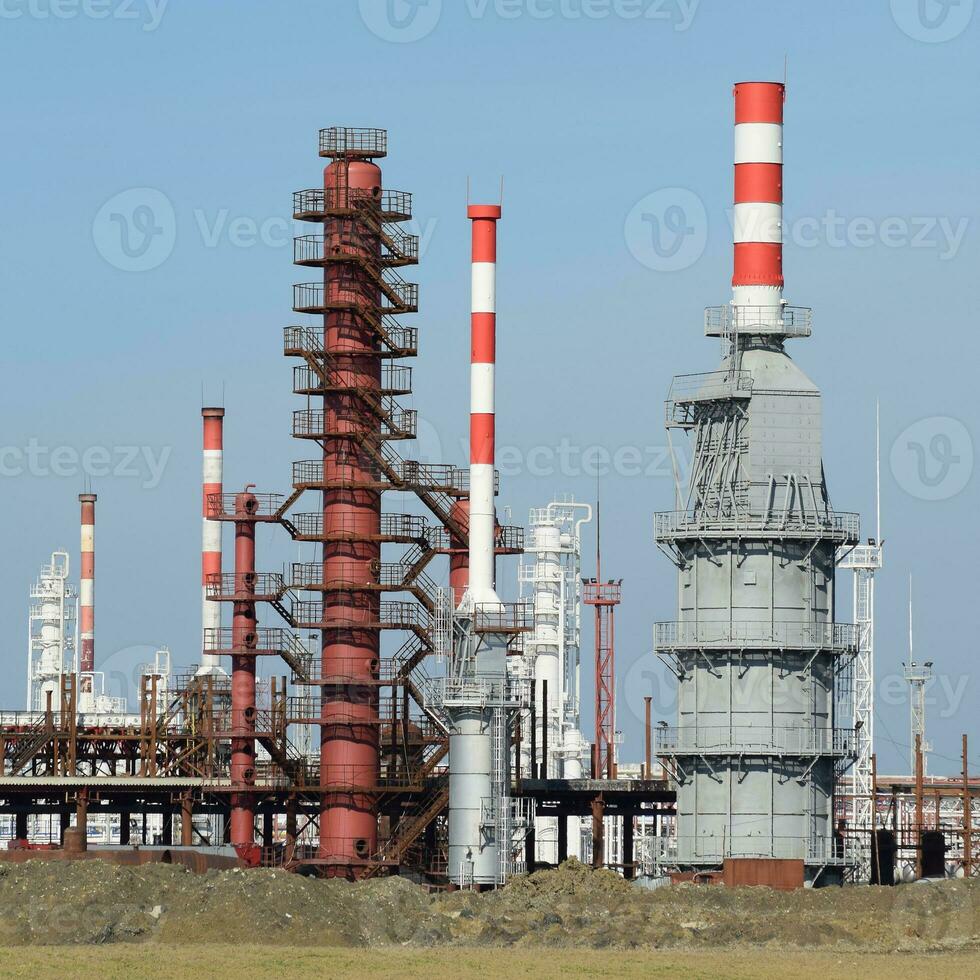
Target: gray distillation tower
(477,698)
(756,755)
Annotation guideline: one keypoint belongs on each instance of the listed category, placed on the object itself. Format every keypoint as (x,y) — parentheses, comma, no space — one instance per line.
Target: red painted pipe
(244,623)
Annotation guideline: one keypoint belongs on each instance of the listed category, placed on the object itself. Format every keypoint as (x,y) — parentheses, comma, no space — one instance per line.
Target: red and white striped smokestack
(483,328)
(211,535)
(86,603)
(758,278)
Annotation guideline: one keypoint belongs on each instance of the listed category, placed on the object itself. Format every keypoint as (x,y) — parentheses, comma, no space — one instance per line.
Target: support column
(186,820)
(562,839)
(598,832)
(124,828)
(20,825)
(244,623)
(629,869)
(648,773)
(918,806)
(967,815)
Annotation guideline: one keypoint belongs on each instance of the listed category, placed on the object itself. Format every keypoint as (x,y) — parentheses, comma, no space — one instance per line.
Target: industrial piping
(483,325)
(243,715)
(86,663)
(211,534)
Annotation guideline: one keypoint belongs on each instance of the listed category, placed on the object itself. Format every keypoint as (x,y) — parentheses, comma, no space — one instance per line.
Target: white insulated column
(213,419)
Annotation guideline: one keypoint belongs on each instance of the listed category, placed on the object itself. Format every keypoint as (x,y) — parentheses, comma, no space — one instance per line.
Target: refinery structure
(411,701)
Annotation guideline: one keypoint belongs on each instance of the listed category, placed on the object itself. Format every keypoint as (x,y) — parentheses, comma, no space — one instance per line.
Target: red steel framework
(350,369)
(604,596)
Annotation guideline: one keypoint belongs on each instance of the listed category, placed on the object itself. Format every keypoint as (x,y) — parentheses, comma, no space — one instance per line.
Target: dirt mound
(572,906)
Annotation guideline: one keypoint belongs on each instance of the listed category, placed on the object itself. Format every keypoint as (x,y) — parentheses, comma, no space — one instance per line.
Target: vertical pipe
(534,741)
(484,218)
(629,866)
(544,730)
(648,703)
(86,614)
(244,622)
(918,806)
(186,819)
(611,716)
(598,832)
(967,816)
(758,225)
(459,554)
(212,483)
(875,851)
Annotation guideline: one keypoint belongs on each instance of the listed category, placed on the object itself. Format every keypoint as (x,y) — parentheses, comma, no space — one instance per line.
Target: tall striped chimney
(758,278)
(483,325)
(211,534)
(86,615)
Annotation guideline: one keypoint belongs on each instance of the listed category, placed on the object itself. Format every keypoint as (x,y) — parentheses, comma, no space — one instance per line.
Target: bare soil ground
(569,909)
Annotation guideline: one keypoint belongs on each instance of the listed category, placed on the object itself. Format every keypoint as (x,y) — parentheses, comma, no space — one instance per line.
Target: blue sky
(594,112)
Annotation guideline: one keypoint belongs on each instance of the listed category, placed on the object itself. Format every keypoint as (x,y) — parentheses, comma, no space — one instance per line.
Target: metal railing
(602,593)
(396,379)
(223,505)
(400,341)
(787,321)
(246,586)
(399,295)
(271,641)
(757,634)
(749,739)
(503,617)
(713,849)
(688,390)
(309,614)
(315,203)
(343,141)
(397,528)
(315,423)
(833,525)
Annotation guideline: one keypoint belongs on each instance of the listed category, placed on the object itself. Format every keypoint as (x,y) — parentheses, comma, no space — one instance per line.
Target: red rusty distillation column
(244,623)
(459,552)
(349,733)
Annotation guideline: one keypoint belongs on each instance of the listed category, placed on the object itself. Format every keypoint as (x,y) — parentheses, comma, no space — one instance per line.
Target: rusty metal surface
(782,875)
